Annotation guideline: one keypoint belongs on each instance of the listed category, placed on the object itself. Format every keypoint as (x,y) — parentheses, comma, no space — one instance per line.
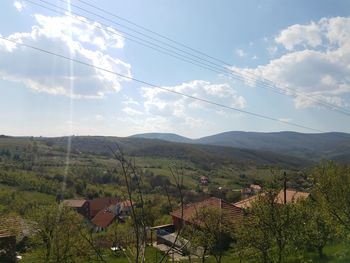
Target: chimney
(285,187)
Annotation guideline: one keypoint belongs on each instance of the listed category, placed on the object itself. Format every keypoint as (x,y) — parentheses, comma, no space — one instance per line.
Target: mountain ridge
(317,146)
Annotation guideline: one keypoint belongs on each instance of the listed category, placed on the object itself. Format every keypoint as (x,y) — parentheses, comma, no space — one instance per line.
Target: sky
(286,60)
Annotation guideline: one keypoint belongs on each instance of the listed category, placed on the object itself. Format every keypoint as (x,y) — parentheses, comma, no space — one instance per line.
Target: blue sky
(298,45)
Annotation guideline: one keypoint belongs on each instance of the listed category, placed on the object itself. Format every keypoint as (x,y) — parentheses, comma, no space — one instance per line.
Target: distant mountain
(204,156)
(170,137)
(200,154)
(316,146)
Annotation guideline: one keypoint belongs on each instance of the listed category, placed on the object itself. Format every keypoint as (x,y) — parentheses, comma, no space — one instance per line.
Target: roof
(6,235)
(101,203)
(127,203)
(255,186)
(76,203)
(247,203)
(103,218)
(13,226)
(160,226)
(291,197)
(228,210)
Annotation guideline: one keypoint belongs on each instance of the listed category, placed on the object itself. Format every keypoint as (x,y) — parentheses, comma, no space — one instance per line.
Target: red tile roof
(292,197)
(74,202)
(96,205)
(103,218)
(229,211)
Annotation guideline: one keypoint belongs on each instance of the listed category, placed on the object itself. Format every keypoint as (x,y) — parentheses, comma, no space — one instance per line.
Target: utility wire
(226,71)
(263,83)
(161,88)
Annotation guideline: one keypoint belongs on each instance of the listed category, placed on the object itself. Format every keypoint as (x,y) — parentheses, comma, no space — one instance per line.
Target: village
(101,213)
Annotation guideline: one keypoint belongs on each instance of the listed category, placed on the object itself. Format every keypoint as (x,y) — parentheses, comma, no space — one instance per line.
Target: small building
(98,204)
(123,209)
(103,219)
(7,247)
(13,231)
(253,189)
(101,212)
(184,216)
(90,208)
(283,196)
(203,180)
(80,205)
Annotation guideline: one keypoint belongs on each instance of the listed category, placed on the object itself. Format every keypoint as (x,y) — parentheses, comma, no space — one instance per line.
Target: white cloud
(306,35)
(132,111)
(159,101)
(18,5)
(130,101)
(165,111)
(71,37)
(318,69)
(240,52)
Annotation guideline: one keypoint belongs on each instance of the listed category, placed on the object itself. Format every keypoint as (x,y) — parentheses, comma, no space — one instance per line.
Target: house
(283,196)
(253,189)
(103,219)
(90,208)
(13,230)
(101,212)
(80,205)
(203,180)
(122,209)
(108,215)
(7,247)
(98,204)
(185,216)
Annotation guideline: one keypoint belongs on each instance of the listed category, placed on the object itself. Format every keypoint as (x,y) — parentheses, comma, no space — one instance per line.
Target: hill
(170,137)
(197,153)
(314,146)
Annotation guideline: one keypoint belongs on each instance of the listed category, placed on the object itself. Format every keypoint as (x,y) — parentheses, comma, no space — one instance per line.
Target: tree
(57,229)
(254,240)
(332,190)
(269,228)
(317,226)
(210,230)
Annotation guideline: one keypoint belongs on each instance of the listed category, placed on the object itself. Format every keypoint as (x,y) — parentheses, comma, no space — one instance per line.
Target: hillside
(171,137)
(303,145)
(40,165)
(198,153)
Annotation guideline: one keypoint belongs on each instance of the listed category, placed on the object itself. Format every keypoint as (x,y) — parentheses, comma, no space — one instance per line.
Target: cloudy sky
(288,60)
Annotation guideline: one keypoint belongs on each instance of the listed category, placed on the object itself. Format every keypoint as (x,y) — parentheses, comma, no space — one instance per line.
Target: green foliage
(269,229)
(210,231)
(56,233)
(317,227)
(28,181)
(332,190)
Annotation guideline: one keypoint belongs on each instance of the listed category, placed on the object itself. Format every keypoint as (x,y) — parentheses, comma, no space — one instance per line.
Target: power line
(196,62)
(161,88)
(320,101)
